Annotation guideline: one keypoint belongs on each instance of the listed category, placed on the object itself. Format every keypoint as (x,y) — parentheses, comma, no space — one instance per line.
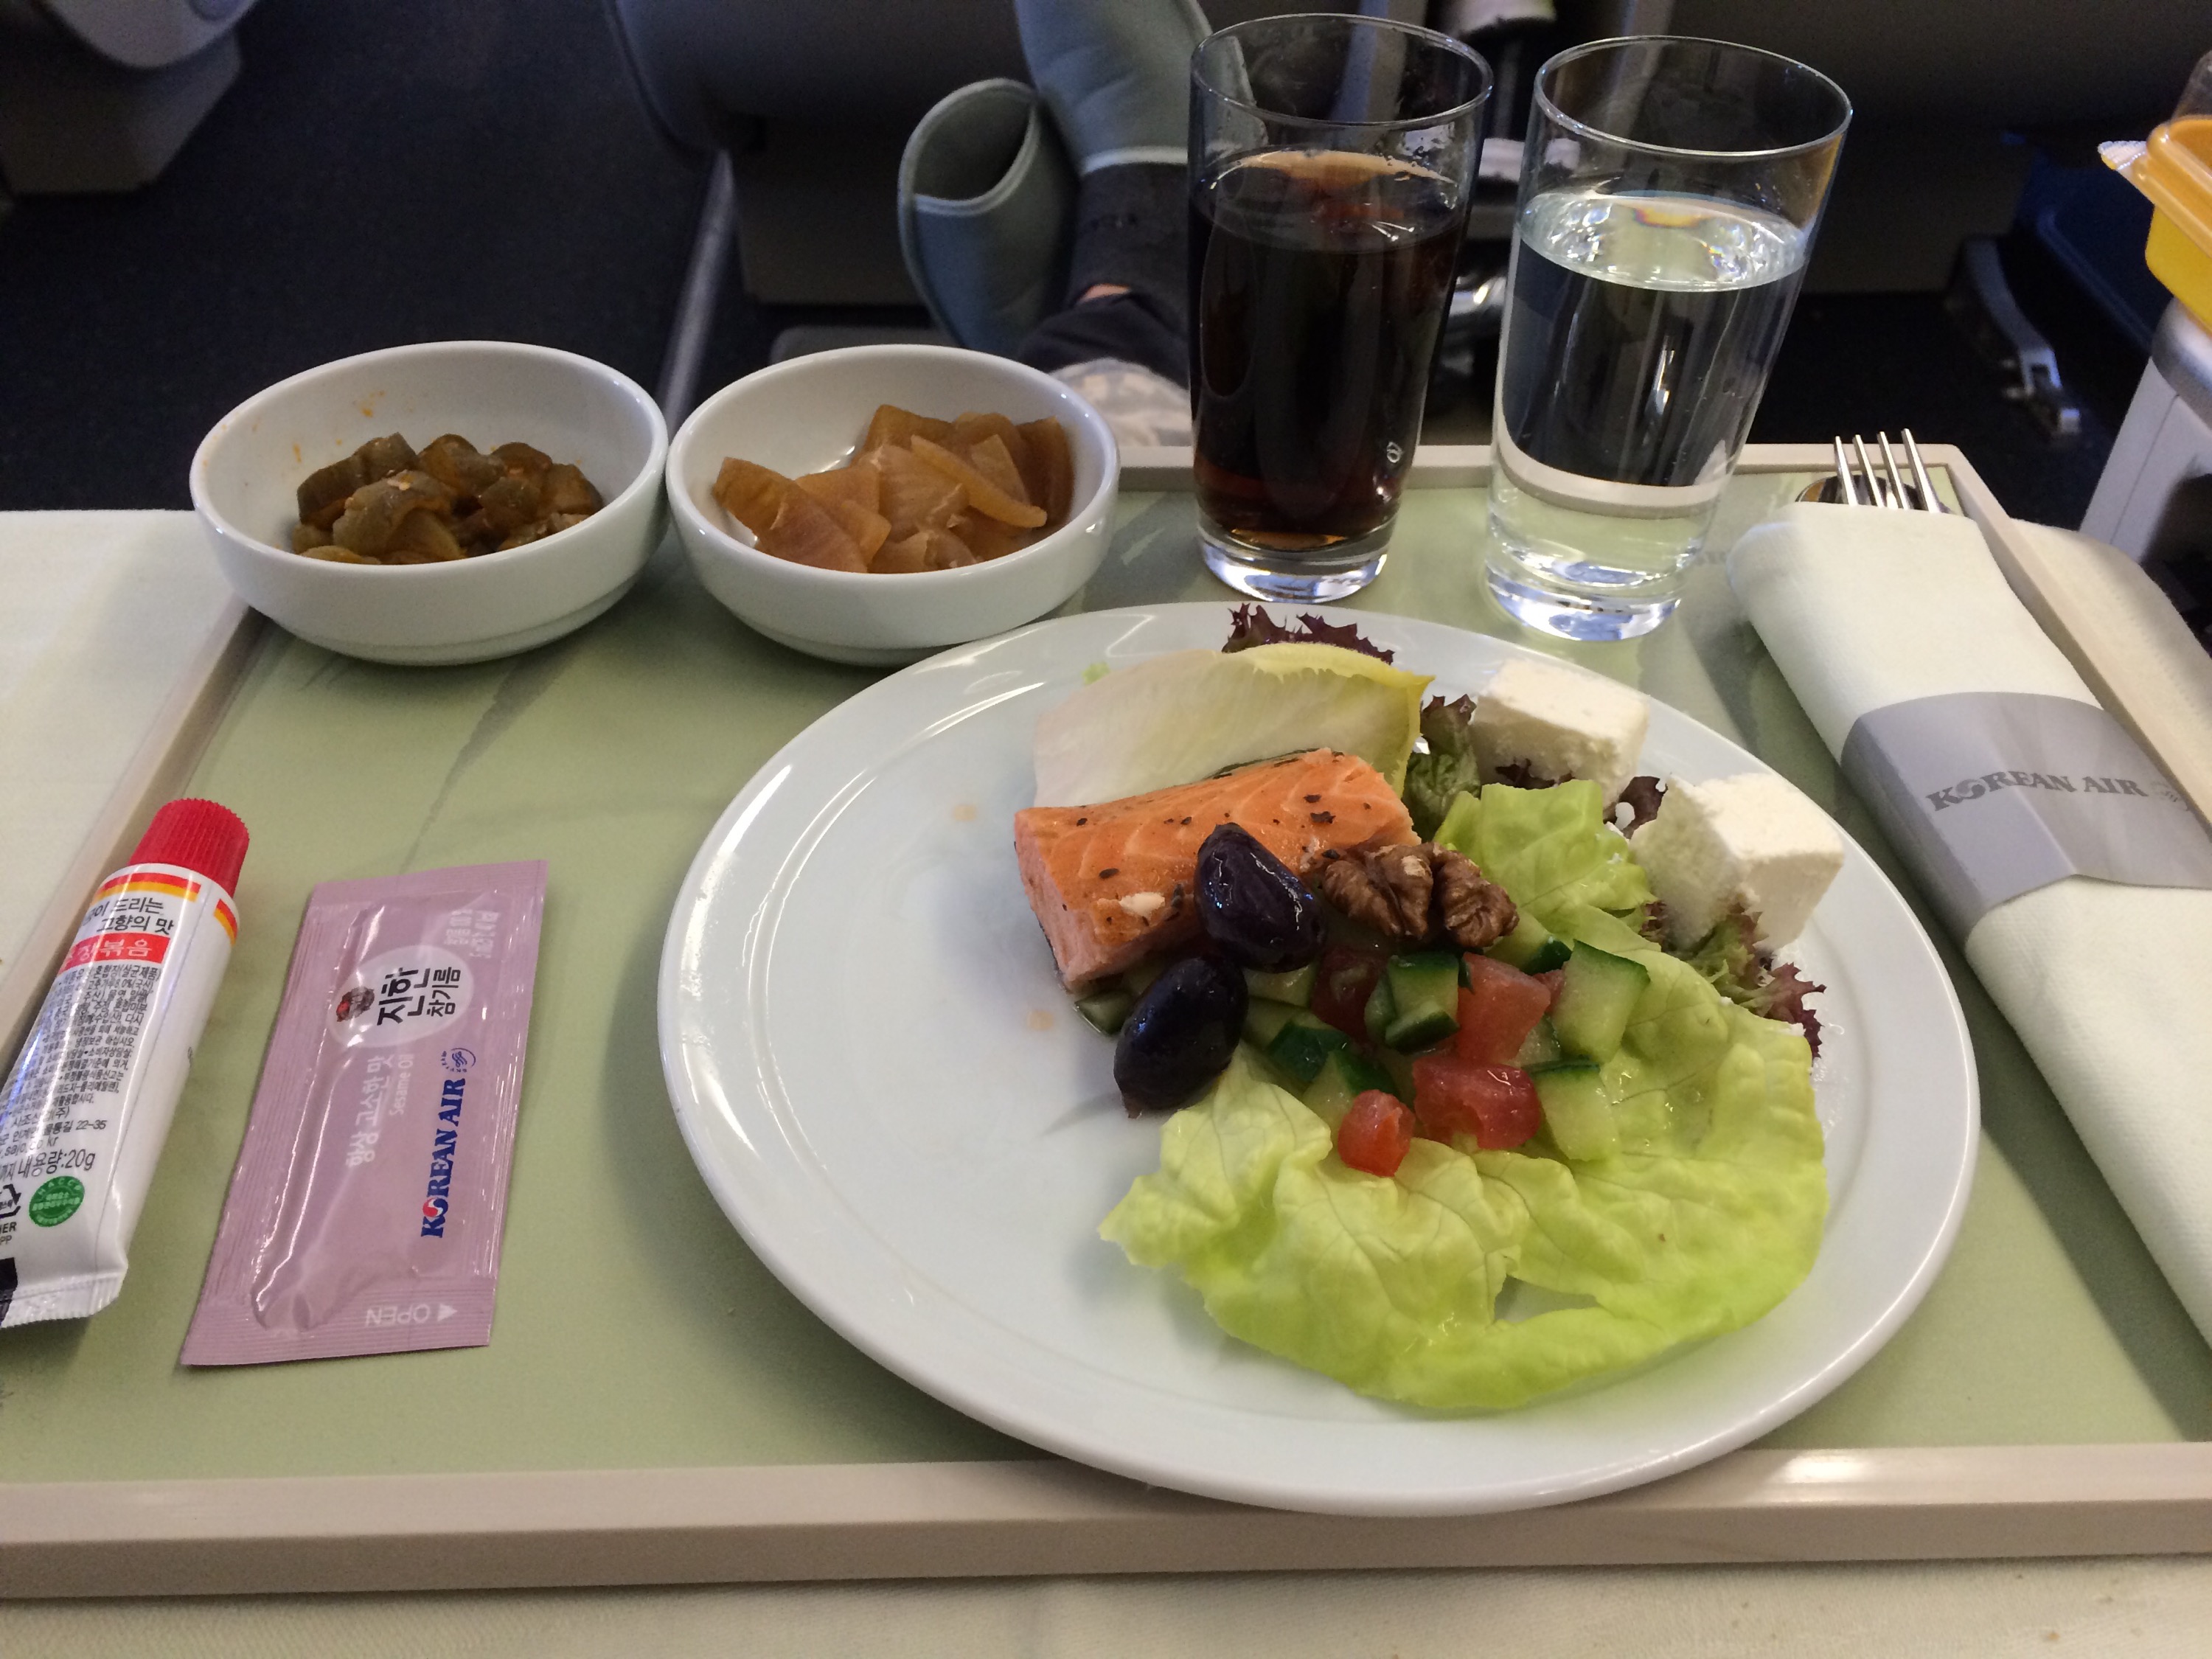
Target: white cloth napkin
(2109,986)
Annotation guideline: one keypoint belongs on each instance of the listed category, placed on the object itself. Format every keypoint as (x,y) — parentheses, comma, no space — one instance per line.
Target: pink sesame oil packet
(365,1213)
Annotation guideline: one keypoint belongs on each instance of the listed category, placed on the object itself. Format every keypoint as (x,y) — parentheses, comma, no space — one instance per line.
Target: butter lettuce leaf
(1551,850)
(1711,1214)
(1347,1272)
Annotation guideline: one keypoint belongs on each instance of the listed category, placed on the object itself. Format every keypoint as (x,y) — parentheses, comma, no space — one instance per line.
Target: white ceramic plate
(882,1082)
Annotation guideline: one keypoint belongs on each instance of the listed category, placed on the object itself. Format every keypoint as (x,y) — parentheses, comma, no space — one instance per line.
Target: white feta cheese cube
(1753,842)
(1560,723)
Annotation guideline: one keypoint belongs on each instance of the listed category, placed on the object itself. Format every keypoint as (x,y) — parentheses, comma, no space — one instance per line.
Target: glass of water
(1669,192)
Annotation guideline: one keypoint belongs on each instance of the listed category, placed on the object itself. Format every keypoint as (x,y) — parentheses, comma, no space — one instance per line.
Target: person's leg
(1113,77)
(1116,80)
(1126,283)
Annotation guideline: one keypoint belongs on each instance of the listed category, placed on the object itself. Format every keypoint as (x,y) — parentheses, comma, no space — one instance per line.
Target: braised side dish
(919,495)
(388,504)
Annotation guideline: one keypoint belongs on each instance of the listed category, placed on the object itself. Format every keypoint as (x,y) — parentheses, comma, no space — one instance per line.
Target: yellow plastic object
(2175,171)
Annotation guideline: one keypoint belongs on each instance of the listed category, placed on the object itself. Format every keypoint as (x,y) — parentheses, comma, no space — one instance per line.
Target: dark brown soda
(1318,284)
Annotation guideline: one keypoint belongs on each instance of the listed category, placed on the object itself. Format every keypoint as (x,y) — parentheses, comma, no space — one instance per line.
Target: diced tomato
(1499,1006)
(1343,981)
(1552,979)
(1496,1104)
(1375,1133)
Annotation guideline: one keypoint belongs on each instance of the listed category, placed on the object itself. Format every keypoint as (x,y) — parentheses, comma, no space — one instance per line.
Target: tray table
(655,1408)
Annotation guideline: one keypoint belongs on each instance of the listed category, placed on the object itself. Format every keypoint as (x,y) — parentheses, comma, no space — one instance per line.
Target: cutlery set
(1868,486)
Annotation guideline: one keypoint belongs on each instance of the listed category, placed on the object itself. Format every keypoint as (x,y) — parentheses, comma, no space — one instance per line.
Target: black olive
(1179,1035)
(1253,906)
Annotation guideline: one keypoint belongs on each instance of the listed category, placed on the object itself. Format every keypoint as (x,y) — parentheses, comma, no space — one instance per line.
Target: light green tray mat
(634,1329)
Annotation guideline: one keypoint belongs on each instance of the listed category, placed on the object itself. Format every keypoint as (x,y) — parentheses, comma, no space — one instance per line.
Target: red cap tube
(202,836)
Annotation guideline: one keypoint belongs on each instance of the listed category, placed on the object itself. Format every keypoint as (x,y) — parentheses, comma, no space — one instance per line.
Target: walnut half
(1474,911)
(1414,894)
(1388,889)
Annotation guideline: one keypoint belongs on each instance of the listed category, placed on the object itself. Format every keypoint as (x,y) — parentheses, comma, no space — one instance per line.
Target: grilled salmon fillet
(1112,883)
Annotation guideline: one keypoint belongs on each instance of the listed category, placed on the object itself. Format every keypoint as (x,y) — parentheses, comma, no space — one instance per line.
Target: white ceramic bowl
(810,413)
(491,392)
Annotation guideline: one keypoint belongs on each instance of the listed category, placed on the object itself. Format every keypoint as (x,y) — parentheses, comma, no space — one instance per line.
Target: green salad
(1692,1208)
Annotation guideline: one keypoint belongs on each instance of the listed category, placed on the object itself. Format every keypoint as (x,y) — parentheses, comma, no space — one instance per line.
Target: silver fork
(1885,488)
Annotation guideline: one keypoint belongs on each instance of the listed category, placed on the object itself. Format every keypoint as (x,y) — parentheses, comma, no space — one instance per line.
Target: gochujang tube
(88,1106)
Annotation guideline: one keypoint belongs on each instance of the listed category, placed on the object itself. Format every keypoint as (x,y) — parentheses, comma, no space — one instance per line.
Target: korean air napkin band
(2077,881)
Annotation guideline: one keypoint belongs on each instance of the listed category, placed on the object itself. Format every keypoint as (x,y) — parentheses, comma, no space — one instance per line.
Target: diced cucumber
(1531,948)
(1382,1009)
(1106,1009)
(1303,1043)
(1596,997)
(1138,979)
(1541,1047)
(1400,1069)
(1345,1075)
(1553,952)
(1577,1111)
(1263,1020)
(1424,1000)
(1295,988)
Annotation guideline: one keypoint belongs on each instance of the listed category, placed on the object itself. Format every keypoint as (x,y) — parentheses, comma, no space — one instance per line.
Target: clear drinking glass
(1669,192)
(1331,161)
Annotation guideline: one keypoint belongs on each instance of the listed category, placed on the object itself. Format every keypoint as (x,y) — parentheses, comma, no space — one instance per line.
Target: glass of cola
(1331,161)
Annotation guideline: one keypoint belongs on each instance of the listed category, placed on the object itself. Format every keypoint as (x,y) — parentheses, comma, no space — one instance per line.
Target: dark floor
(409,170)
(1854,363)
(384,171)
